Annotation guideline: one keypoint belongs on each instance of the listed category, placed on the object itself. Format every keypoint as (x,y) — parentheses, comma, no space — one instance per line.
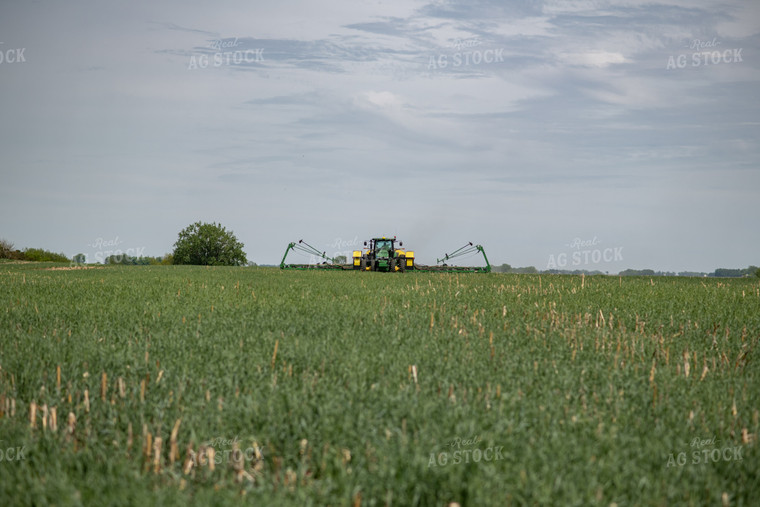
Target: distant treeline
(32,254)
(40,255)
(167,259)
(718,273)
(506,268)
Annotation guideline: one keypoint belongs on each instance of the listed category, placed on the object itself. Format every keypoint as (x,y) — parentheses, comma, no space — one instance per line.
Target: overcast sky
(537,129)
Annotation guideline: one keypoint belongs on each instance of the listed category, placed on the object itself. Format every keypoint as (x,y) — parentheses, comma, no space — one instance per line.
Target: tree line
(718,273)
(199,244)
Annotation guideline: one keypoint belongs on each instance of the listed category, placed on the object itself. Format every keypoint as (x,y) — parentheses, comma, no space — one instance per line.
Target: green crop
(182,384)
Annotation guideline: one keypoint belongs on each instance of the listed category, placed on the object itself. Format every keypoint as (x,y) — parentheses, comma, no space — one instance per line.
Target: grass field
(174,384)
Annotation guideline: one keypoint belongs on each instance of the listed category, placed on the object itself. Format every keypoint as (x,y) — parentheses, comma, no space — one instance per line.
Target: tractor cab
(383,248)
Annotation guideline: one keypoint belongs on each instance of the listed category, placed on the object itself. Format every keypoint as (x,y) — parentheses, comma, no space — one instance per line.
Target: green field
(348,388)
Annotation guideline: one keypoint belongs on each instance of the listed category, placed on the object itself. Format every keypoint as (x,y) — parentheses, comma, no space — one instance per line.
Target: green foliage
(719,273)
(29,254)
(79,258)
(208,245)
(40,255)
(6,249)
(734,273)
(341,259)
(126,260)
(730,273)
(529,270)
(351,382)
(637,272)
(506,268)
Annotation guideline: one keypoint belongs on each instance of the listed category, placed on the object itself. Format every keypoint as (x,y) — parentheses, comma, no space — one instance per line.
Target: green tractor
(382,255)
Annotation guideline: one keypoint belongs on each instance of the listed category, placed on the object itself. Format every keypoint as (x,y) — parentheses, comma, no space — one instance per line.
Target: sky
(580,134)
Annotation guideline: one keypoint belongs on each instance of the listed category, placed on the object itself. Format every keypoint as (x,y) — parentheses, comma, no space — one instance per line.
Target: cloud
(382,100)
(598,59)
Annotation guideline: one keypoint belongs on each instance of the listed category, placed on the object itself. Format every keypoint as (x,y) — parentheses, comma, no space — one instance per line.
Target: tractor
(382,254)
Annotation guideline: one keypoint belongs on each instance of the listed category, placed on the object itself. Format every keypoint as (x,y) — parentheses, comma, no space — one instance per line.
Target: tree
(79,258)
(727,273)
(120,259)
(637,272)
(6,249)
(341,259)
(208,245)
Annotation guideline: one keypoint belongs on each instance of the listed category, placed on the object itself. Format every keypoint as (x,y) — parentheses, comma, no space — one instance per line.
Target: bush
(40,255)
(208,245)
